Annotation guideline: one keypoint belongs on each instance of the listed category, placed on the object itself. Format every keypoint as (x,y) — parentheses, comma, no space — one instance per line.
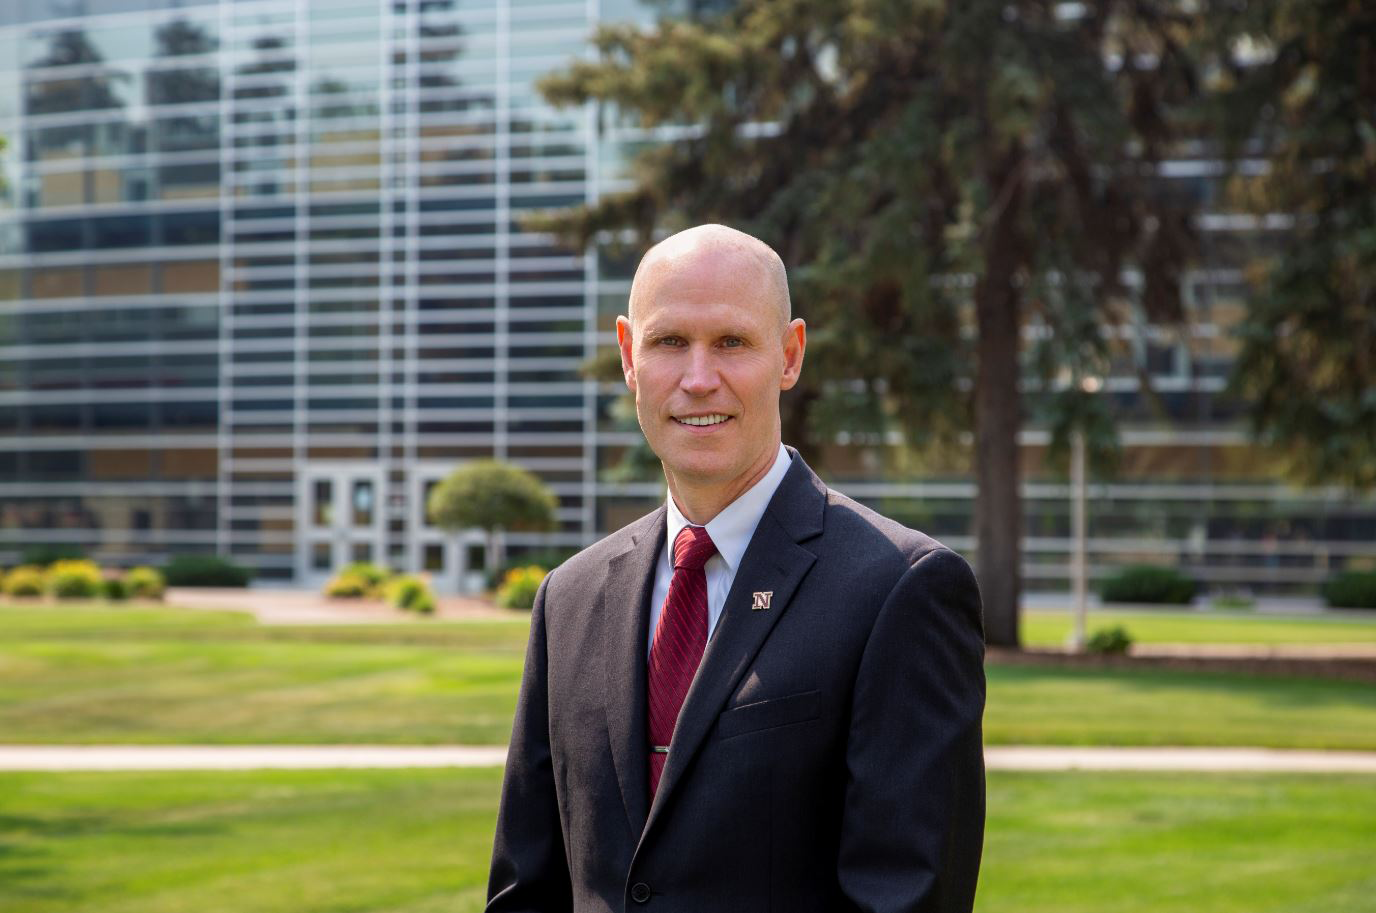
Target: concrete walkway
(306,607)
(329,757)
(245,757)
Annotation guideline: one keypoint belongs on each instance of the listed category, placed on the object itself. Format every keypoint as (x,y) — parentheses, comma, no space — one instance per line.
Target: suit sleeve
(529,866)
(913,823)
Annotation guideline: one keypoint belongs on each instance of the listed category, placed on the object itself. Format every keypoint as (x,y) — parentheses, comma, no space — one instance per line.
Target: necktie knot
(692,548)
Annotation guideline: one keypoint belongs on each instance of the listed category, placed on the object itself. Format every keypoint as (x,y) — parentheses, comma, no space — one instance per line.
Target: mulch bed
(1341,669)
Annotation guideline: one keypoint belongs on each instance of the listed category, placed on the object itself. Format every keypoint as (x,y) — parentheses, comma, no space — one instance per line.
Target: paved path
(326,757)
(305,607)
(1264,760)
(245,757)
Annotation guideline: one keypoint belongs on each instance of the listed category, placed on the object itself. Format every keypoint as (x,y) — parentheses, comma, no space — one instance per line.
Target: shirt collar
(732,529)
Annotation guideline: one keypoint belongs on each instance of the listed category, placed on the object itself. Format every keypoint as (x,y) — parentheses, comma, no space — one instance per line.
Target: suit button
(640,892)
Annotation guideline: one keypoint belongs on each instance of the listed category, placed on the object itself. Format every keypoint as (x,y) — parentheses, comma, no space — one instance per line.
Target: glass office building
(263,281)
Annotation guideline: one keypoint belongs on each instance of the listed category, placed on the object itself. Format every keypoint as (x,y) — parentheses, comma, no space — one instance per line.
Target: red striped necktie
(680,640)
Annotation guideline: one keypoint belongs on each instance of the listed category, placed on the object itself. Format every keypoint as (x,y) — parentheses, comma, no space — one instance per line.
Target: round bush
(1109,640)
(346,585)
(1148,583)
(145,583)
(75,579)
(375,576)
(409,592)
(23,581)
(204,570)
(519,587)
(115,589)
(548,558)
(1351,590)
(424,604)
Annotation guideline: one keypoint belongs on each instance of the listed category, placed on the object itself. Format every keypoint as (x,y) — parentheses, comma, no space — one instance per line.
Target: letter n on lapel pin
(760,601)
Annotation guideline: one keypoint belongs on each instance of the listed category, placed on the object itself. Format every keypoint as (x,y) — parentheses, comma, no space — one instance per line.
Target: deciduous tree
(492,496)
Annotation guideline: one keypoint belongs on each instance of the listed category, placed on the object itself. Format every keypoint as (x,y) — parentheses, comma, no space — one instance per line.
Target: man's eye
(673,341)
(733,342)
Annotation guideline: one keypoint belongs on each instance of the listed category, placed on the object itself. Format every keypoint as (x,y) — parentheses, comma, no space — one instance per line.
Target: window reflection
(183,36)
(187,133)
(181,87)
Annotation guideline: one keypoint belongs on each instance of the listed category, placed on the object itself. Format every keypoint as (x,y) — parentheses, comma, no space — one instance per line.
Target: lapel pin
(761,601)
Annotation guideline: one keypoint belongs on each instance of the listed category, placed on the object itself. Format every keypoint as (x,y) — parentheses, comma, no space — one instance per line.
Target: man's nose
(700,376)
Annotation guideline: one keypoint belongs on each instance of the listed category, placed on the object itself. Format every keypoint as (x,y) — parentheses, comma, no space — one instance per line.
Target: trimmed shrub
(1114,640)
(43,555)
(1148,583)
(376,575)
(115,589)
(23,581)
(346,585)
(411,593)
(360,580)
(1351,590)
(204,570)
(76,579)
(547,558)
(519,587)
(424,604)
(145,583)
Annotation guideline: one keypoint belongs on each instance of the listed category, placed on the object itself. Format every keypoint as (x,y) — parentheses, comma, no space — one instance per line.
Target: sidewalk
(332,757)
(306,607)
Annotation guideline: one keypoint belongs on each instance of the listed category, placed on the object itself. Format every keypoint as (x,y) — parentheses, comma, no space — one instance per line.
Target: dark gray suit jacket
(828,755)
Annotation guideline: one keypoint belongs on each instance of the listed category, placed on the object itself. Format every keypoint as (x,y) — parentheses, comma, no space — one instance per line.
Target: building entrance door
(340,516)
(454,562)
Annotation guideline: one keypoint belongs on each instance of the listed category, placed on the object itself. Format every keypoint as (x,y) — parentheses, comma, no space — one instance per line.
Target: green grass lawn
(173,676)
(1038,706)
(1173,626)
(418,842)
(94,675)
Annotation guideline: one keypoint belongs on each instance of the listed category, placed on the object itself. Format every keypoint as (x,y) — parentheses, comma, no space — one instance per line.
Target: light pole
(1079,570)
(1079,528)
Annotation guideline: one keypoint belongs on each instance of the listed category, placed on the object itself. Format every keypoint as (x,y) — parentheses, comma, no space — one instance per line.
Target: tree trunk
(496,556)
(998,502)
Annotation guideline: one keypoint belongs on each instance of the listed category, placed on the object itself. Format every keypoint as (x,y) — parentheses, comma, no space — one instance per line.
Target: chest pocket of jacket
(780,711)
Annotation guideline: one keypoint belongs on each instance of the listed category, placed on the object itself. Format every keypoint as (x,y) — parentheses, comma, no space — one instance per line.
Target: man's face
(707,358)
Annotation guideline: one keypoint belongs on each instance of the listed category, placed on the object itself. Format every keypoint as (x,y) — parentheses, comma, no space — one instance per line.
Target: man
(762,696)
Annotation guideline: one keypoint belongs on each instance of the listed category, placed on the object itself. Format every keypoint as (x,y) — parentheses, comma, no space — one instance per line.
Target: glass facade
(262,275)
(263,281)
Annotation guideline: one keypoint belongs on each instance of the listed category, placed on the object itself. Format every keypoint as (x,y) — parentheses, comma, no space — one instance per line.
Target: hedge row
(1154,585)
(81,579)
(370,581)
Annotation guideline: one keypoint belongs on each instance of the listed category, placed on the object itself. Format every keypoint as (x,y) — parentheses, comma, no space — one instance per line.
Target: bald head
(731,249)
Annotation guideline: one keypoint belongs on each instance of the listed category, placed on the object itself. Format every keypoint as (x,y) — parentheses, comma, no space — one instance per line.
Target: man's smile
(702,421)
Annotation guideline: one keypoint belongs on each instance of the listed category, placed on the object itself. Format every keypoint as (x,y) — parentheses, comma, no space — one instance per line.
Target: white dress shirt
(731,531)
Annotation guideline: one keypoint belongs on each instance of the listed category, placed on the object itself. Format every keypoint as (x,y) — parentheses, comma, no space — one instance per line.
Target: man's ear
(623,342)
(795,343)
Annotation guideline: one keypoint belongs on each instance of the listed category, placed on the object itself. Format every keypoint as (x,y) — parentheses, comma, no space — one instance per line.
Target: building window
(322,510)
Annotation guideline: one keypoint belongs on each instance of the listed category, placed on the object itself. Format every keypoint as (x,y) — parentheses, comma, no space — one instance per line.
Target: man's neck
(699,504)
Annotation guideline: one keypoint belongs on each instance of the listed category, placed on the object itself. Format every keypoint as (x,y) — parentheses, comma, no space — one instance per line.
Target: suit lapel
(773,562)
(626,620)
